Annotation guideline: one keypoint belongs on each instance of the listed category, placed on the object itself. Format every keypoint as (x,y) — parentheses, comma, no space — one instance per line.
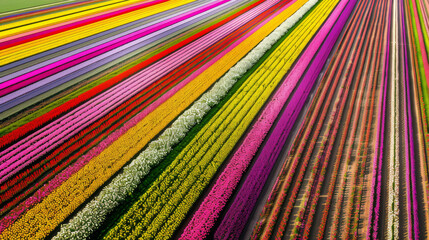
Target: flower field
(214,119)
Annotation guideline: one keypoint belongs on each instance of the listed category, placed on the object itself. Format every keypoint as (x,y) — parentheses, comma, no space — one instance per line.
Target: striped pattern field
(214,119)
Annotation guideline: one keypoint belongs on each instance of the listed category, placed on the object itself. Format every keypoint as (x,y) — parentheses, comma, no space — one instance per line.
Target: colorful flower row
(393,183)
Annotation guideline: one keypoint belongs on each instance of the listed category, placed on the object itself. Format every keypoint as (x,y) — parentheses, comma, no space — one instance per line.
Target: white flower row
(94,213)
(393,202)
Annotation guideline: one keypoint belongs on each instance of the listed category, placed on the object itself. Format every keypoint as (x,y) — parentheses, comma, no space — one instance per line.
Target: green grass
(16,5)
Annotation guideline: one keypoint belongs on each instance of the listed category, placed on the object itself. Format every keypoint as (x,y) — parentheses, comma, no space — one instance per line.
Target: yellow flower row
(29,24)
(160,210)
(39,221)
(40,45)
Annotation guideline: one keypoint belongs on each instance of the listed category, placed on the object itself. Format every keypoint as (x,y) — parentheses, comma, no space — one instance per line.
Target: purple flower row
(379,146)
(413,221)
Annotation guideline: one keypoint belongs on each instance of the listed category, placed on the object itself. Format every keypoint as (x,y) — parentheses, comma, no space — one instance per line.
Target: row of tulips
(227,181)
(112,192)
(393,183)
(412,205)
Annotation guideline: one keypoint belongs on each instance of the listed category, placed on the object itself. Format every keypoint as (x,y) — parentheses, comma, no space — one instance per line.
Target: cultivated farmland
(214,119)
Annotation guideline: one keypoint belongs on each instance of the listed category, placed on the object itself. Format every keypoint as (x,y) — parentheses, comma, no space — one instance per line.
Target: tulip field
(214,119)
